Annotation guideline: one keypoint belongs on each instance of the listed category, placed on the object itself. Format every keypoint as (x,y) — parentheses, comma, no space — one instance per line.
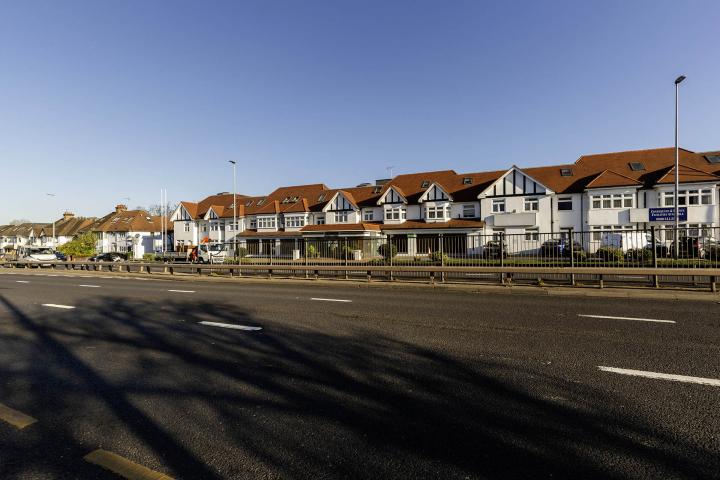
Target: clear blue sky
(102,100)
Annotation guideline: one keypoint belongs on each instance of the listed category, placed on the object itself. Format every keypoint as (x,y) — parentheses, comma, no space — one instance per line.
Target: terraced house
(126,230)
(612,191)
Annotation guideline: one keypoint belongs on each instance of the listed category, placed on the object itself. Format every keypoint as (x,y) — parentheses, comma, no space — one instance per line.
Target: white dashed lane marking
(182,291)
(53,305)
(89,286)
(662,376)
(231,326)
(331,300)
(607,317)
(22,281)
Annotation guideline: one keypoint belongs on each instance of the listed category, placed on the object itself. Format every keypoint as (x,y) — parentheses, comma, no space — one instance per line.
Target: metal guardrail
(433,273)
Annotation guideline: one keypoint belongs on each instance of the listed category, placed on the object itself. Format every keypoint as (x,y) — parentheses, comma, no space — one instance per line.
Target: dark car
(689,247)
(711,250)
(108,257)
(60,256)
(494,248)
(559,248)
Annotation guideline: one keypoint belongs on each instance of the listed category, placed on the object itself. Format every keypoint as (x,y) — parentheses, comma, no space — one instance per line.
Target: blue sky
(103,100)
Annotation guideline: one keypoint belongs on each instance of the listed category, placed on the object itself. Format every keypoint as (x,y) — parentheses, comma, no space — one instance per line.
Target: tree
(82,245)
(156,209)
(19,221)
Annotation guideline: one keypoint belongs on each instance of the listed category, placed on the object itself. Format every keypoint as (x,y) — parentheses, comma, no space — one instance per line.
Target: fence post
(305,244)
(345,250)
(390,253)
(572,255)
(655,281)
(442,257)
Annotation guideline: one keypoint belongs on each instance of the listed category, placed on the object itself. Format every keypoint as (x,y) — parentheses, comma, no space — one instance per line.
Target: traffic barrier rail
(433,273)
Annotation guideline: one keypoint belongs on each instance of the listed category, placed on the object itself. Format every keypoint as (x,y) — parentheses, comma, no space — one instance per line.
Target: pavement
(242,380)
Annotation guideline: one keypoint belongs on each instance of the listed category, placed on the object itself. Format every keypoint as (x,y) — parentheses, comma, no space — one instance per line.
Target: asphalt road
(387,383)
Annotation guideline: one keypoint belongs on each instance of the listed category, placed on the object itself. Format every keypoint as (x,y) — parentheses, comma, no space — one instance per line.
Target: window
(616,200)
(377,188)
(437,212)
(186,227)
(368,215)
(260,202)
(425,184)
(565,203)
(468,211)
(342,216)
(566,172)
(266,222)
(687,197)
(248,203)
(204,228)
(497,233)
(713,158)
(532,234)
(294,222)
(320,220)
(396,213)
(637,166)
(253,223)
(597,231)
(532,204)
(321,198)
(498,206)
(467,181)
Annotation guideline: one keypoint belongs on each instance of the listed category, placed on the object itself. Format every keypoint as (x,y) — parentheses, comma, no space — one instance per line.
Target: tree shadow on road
(292,401)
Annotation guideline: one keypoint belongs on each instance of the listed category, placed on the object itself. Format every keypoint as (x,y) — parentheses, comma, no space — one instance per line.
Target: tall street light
(53,235)
(235,250)
(677,169)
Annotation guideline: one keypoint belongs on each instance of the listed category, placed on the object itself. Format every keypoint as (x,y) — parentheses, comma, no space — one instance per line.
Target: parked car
(559,247)
(711,249)
(493,248)
(689,247)
(108,257)
(60,256)
(37,256)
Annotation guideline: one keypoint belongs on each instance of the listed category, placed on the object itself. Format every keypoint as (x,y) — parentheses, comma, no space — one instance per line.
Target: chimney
(382,181)
(68,215)
(120,208)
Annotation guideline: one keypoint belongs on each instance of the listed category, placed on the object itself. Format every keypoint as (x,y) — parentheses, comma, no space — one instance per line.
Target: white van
(37,255)
(628,240)
(211,253)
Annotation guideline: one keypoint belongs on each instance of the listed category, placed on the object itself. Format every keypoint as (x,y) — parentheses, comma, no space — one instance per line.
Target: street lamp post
(53,223)
(677,168)
(235,250)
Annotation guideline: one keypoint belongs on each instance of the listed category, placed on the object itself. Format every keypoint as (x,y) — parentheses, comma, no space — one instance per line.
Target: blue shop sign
(667,214)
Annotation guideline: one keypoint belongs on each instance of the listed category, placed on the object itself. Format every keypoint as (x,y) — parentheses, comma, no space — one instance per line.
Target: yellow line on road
(17,419)
(123,467)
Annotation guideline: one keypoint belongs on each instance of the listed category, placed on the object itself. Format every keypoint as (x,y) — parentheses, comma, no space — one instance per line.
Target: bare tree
(19,221)
(156,209)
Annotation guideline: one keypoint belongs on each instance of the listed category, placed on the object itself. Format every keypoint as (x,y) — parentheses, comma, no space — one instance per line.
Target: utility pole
(235,249)
(677,167)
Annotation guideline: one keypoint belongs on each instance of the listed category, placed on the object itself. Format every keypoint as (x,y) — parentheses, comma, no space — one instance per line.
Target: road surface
(203,380)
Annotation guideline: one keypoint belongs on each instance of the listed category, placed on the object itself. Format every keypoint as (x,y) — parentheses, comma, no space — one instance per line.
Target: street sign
(667,214)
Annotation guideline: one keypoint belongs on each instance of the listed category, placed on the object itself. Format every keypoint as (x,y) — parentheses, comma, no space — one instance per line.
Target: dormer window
(260,202)
(249,203)
(321,198)
(713,158)
(637,166)
(377,189)
(566,172)
(294,199)
(286,200)
(467,181)
(425,184)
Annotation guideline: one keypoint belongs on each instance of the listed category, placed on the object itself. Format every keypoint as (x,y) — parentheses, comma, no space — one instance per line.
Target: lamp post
(53,223)
(678,80)
(234,167)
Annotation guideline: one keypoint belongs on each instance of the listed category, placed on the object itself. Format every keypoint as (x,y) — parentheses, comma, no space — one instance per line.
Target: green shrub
(639,255)
(149,257)
(580,254)
(610,254)
(387,250)
(81,246)
(438,257)
(312,251)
